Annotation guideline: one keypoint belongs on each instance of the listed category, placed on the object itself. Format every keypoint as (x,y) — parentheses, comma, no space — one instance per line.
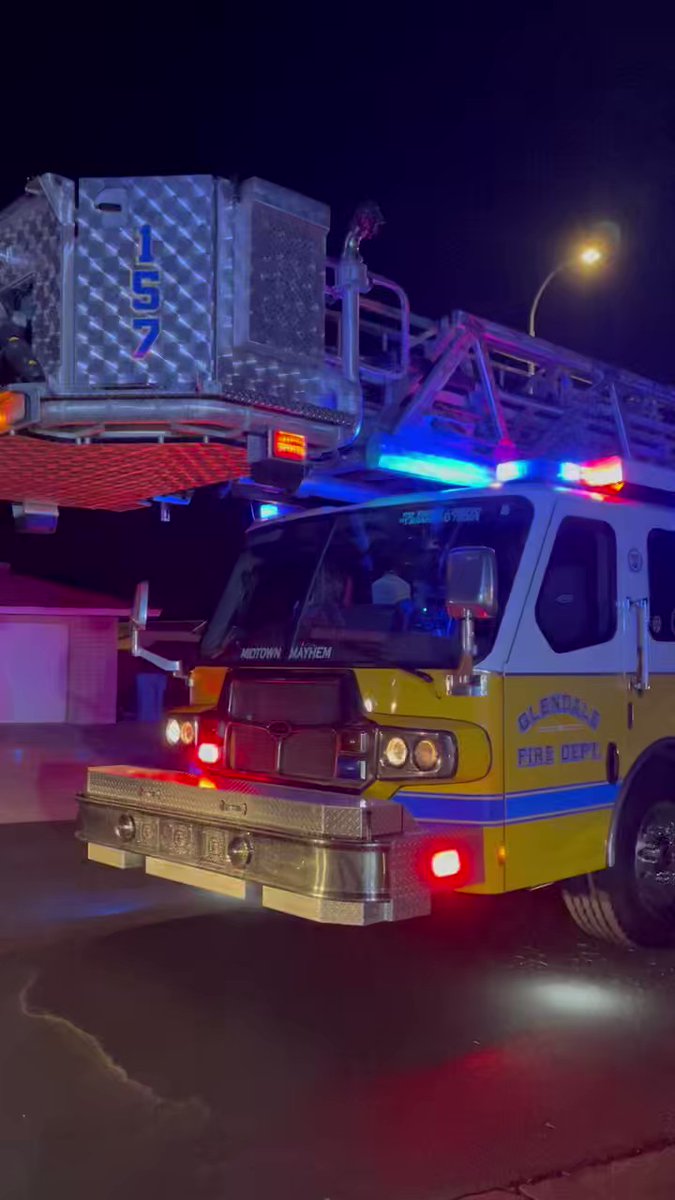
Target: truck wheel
(633,902)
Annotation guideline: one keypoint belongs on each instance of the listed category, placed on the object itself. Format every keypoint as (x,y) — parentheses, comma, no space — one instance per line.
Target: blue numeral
(145,288)
(145,255)
(151,327)
(146,296)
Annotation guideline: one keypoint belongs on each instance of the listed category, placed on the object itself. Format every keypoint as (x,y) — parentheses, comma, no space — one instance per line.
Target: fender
(665,747)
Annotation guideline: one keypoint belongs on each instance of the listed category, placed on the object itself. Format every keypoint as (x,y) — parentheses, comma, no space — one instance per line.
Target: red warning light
(445,863)
(208,752)
(292,446)
(608,472)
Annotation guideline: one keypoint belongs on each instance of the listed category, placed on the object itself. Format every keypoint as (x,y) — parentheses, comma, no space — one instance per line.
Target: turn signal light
(188,732)
(445,863)
(12,409)
(291,446)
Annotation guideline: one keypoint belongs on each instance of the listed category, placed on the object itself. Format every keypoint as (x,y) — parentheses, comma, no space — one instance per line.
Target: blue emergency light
(454,471)
(604,473)
(267,512)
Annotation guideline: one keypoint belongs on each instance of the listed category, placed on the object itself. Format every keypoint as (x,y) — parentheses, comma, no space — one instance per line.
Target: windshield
(363,588)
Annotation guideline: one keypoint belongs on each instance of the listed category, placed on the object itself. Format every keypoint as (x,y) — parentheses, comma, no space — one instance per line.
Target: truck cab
(467,689)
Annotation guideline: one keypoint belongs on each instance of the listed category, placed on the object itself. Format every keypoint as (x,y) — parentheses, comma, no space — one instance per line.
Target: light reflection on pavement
(158,1041)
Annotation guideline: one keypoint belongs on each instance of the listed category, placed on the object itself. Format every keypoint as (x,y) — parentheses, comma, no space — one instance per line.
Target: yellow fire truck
(459,676)
(465,689)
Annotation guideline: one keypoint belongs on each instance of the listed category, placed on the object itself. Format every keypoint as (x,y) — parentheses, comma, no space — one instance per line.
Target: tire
(633,902)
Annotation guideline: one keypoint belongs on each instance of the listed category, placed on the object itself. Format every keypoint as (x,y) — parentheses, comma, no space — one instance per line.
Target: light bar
(291,446)
(454,471)
(507,472)
(607,472)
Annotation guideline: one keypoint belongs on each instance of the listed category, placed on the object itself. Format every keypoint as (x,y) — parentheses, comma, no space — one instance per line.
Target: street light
(588,256)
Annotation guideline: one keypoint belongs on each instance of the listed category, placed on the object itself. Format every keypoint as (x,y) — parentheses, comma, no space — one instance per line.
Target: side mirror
(139,621)
(471,582)
(139,610)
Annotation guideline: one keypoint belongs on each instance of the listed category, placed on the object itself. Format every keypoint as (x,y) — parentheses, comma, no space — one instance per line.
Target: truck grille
(251,748)
(309,753)
(298,754)
(287,727)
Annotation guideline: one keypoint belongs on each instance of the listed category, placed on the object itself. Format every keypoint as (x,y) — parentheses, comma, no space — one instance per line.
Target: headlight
(395,753)
(412,754)
(187,733)
(426,754)
(180,729)
(172,731)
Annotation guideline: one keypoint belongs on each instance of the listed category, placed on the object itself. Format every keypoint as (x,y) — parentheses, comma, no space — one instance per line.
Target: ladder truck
(456,675)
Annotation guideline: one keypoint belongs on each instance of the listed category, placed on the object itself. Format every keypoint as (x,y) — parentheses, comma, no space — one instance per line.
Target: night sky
(489,143)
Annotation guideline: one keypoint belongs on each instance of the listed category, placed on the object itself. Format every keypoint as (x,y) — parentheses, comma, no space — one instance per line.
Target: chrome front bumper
(325,856)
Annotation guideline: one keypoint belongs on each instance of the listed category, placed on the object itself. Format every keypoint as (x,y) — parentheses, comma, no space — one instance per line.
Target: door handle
(640,680)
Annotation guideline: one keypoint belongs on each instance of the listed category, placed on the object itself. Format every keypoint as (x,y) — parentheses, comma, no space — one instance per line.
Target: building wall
(33,670)
(92,671)
(69,674)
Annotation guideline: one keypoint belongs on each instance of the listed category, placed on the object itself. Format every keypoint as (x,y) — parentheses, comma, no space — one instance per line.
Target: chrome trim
(640,679)
(347,881)
(265,806)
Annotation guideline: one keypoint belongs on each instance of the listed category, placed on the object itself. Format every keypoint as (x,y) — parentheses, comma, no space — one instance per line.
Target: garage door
(33,671)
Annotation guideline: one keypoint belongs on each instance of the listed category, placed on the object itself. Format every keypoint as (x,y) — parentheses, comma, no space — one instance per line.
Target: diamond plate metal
(35,243)
(271,280)
(409,896)
(285,312)
(180,213)
(328,912)
(233,280)
(270,807)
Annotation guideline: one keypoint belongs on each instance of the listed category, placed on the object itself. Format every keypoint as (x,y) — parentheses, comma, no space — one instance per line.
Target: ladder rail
(533,395)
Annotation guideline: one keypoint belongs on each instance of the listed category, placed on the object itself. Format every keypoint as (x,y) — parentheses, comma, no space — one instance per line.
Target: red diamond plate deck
(114,477)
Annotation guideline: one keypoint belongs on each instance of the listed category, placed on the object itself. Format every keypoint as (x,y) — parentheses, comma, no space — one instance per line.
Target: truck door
(565,700)
(647,581)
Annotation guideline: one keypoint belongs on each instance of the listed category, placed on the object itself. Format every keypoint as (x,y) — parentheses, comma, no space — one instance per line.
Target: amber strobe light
(12,409)
(291,446)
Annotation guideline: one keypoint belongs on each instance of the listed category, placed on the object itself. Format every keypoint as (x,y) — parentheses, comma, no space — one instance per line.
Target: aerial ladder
(163,333)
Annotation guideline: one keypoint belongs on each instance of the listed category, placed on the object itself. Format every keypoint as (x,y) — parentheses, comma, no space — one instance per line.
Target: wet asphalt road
(153,1042)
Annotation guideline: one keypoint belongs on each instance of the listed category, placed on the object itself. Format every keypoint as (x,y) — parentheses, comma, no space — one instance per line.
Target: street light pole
(588,256)
(540,291)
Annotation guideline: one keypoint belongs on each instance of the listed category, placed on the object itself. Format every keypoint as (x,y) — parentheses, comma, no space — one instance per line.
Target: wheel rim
(655,857)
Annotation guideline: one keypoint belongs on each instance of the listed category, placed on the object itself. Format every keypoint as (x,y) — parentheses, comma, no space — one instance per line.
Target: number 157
(146,297)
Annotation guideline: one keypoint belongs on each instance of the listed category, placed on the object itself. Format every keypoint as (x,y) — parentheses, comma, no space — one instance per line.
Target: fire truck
(452,673)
